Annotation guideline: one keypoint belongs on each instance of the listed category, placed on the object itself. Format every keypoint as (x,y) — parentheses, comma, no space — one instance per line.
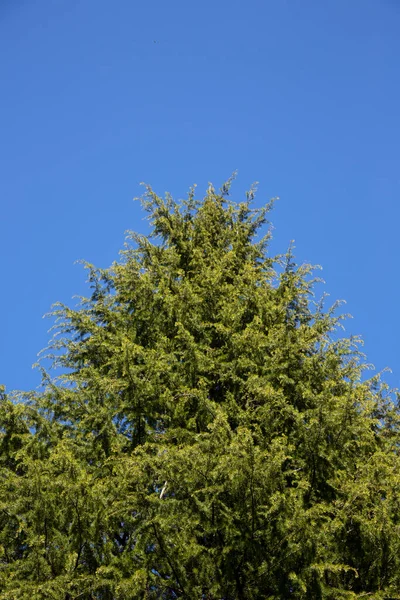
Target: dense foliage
(209,435)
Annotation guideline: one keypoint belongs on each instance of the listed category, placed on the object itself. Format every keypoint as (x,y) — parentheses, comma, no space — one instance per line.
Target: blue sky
(300,95)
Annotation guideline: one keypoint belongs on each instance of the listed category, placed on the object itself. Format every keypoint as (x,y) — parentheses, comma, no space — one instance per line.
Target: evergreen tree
(209,436)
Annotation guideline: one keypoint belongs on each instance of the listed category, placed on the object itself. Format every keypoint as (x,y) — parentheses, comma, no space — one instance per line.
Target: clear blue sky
(96,96)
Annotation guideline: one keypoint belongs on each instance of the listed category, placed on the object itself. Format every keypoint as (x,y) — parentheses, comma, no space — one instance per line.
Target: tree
(208,436)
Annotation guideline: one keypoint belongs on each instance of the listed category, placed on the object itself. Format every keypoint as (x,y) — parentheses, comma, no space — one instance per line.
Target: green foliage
(208,435)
